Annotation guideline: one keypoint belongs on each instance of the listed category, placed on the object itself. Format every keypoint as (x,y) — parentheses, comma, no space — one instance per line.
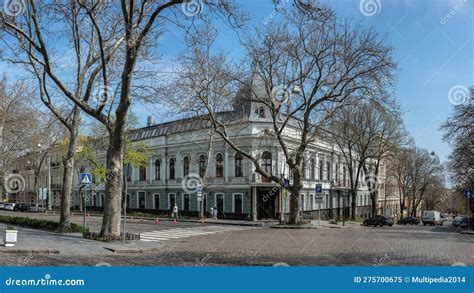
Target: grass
(40,224)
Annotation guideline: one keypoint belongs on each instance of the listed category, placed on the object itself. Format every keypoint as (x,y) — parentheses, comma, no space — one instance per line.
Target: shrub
(40,224)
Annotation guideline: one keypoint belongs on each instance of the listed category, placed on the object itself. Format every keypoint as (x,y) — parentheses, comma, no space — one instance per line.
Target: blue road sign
(469,193)
(319,188)
(86,178)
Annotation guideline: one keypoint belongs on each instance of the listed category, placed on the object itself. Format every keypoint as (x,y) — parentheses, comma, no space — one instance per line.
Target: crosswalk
(170,234)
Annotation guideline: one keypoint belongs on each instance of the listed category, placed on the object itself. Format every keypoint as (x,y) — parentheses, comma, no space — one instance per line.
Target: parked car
(9,206)
(378,221)
(457,221)
(36,208)
(1,206)
(22,207)
(409,221)
(463,223)
(432,218)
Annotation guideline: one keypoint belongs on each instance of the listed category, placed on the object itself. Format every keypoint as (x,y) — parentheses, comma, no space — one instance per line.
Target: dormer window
(261,112)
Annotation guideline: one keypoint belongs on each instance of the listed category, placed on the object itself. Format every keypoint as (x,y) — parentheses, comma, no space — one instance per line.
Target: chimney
(149,121)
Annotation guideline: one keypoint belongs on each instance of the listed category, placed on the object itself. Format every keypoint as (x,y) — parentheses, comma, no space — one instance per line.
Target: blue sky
(433,42)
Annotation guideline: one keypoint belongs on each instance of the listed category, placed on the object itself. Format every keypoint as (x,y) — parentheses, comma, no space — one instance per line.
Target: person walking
(214,213)
(175,211)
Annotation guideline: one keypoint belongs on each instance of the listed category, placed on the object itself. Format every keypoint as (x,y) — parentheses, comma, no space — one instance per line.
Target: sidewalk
(40,241)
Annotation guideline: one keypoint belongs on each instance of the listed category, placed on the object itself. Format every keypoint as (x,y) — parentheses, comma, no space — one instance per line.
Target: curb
(293,227)
(29,251)
(119,250)
(467,232)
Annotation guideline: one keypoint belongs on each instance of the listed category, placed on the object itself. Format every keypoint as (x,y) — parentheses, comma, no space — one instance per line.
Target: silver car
(36,208)
(9,206)
(1,206)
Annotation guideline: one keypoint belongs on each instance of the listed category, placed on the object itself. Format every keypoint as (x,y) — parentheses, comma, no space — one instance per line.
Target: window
(157,201)
(238,165)
(186,202)
(172,168)
(337,172)
(261,112)
(321,169)
(128,172)
(238,203)
(141,199)
(219,165)
(328,171)
(267,163)
(344,175)
(313,169)
(202,165)
(102,197)
(186,166)
(157,169)
(171,200)
(142,173)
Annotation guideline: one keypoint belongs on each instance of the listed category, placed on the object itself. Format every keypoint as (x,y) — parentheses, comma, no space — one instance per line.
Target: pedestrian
(214,213)
(175,211)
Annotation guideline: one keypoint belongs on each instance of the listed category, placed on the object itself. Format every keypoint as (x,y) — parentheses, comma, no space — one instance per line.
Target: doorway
(266,203)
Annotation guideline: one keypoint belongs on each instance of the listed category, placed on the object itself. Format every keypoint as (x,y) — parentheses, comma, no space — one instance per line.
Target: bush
(100,237)
(40,224)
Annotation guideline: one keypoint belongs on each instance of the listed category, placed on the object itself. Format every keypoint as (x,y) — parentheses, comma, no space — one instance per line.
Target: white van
(432,218)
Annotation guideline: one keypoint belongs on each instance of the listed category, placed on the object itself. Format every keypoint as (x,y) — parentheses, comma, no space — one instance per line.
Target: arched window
(220,165)
(172,168)
(267,163)
(313,169)
(157,169)
(186,166)
(142,173)
(239,171)
(202,165)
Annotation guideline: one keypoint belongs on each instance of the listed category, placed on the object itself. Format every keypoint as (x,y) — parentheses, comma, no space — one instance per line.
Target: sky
(433,41)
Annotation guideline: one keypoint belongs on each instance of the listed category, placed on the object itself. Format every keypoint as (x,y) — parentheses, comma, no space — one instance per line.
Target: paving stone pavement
(387,246)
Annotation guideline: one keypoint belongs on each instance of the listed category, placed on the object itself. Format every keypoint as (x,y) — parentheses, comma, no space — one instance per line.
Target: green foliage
(40,224)
(11,228)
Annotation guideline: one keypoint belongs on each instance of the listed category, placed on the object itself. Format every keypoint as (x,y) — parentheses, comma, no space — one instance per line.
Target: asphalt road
(367,246)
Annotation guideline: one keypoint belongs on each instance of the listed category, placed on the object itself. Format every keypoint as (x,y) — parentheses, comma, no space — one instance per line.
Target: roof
(179,126)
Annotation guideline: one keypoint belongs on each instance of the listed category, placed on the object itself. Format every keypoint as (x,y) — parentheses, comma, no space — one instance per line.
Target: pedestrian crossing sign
(86,178)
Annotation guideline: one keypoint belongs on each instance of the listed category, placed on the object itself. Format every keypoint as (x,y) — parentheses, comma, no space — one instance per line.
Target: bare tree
(459,131)
(302,69)
(116,35)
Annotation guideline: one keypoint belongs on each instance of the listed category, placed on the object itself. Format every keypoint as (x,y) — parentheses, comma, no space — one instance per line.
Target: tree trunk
(68,162)
(373,207)
(353,204)
(113,185)
(295,218)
